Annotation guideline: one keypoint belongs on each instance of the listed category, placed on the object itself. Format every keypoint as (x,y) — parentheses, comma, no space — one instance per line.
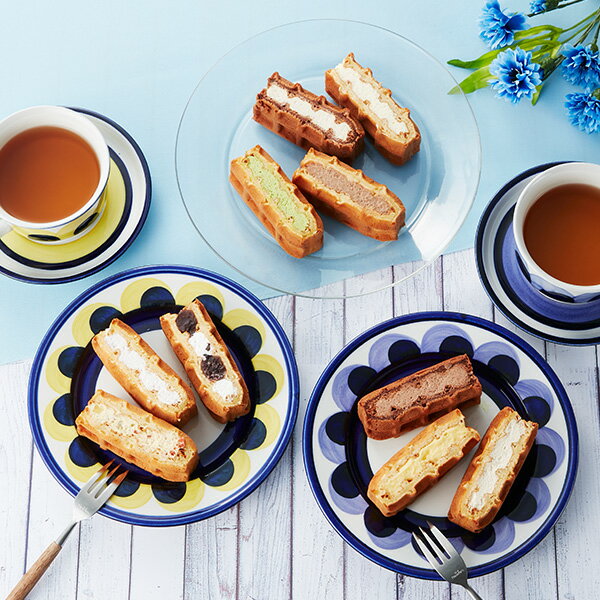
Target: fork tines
(104,477)
(442,541)
(434,545)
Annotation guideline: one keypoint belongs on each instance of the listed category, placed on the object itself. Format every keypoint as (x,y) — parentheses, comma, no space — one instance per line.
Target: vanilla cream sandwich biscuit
(493,470)
(138,437)
(277,202)
(394,133)
(207,361)
(308,120)
(149,380)
(349,196)
(421,463)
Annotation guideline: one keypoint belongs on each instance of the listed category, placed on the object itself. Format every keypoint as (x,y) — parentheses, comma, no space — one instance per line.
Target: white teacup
(85,218)
(567,173)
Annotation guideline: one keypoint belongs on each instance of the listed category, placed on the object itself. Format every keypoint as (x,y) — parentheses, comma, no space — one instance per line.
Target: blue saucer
(507,283)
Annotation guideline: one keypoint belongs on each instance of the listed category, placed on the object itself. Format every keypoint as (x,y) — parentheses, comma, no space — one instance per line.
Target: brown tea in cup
(46,174)
(562,233)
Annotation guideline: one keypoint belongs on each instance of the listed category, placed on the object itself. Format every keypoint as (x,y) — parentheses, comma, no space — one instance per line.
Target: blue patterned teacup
(567,173)
(81,221)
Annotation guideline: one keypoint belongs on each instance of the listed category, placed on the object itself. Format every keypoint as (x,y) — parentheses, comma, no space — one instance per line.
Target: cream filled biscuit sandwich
(419,398)
(277,202)
(138,437)
(308,120)
(493,470)
(349,196)
(394,133)
(421,463)
(149,380)
(207,361)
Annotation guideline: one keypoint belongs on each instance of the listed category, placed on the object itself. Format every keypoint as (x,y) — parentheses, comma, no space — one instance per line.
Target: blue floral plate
(340,460)
(234,458)
(507,283)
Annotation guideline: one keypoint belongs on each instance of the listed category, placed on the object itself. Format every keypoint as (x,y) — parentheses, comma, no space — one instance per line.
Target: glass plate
(437,186)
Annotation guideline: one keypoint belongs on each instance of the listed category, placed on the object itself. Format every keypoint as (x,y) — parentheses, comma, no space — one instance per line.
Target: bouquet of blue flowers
(522,58)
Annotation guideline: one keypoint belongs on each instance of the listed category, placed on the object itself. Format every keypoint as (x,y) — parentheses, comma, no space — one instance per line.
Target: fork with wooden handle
(92,496)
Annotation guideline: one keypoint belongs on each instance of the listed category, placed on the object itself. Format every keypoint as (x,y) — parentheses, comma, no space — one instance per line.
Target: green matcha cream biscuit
(277,190)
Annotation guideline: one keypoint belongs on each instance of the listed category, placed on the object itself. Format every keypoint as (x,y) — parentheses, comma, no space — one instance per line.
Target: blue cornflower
(498,27)
(584,110)
(516,76)
(537,6)
(581,65)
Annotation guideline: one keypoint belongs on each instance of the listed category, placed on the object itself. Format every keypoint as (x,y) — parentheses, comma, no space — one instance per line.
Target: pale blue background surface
(138,61)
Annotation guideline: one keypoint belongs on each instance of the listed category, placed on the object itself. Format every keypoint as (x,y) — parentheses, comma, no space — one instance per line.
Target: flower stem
(596,34)
(584,26)
(590,16)
(590,27)
(555,8)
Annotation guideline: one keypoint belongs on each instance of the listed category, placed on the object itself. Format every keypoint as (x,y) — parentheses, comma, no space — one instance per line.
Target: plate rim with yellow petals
(128,198)
(239,456)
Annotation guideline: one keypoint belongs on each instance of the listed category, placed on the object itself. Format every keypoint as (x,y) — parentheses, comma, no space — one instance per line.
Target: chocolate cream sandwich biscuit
(492,471)
(149,380)
(138,437)
(207,361)
(277,202)
(308,120)
(394,133)
(421,463)
(349,196)
(419,398)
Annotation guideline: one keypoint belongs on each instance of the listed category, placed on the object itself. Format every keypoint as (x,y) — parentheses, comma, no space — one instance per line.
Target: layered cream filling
(321,117)
(278,190)
(396,398)
(150,379)
(423,462)
(202,346)
(355,191)
(105,417)
(369,95)
(499,458)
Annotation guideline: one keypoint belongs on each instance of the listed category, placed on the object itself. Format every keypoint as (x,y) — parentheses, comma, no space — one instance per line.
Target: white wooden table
(276,544)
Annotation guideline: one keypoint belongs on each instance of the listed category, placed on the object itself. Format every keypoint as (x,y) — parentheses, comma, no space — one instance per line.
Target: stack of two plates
(507,282)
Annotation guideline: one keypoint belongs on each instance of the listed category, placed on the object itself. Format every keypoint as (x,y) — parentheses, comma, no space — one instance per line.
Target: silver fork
(443,557)
(92,496)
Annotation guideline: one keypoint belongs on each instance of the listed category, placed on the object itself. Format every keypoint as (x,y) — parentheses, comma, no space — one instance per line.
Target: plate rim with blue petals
(339,459)
(237,457)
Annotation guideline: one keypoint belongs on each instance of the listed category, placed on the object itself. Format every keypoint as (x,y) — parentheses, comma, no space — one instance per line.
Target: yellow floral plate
(128,194)
(234,458)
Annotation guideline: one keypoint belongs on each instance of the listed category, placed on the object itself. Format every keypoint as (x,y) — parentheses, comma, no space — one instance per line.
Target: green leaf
(536,94)
(543,45)
(488,57)
(527,33)
(475,81)
(484,59)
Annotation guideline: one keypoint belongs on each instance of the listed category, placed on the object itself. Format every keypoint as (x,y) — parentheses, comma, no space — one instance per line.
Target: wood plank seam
(131,562)
(291,451)
(185,539)
(28,508)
